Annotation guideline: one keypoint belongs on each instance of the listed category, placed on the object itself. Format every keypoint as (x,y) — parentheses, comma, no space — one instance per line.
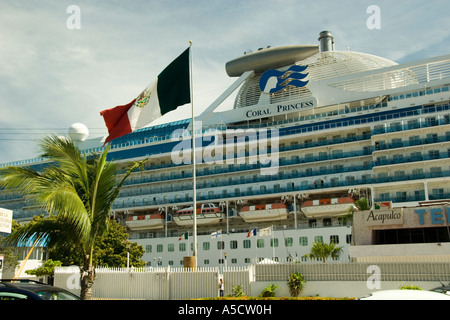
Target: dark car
(32,290)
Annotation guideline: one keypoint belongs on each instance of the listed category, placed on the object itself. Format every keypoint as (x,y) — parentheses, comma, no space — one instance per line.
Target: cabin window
(334,239)
(348,238)
(233,244)
(159,248)
(220,245)
(260,243)
(326,222)
(247,244)
(274,242)
(206,246)
(182,247)
(318,239)
(289,242)
(171,247)
(148,248)
(303,241)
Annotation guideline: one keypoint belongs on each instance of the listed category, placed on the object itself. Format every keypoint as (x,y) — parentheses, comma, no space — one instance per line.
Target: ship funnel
(326,41)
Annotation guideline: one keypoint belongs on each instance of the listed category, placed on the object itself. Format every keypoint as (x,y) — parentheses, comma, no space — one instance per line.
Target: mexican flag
(170,90)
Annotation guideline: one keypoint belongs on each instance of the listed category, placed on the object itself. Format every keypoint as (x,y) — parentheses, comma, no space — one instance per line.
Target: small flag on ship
(251,233)
(216,234)
(265,232)
(184,236)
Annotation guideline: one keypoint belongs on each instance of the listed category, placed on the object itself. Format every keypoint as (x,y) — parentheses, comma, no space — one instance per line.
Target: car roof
(406,295)
(31,286)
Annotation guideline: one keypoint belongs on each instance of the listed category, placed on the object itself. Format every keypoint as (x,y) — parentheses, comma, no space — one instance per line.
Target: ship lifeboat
(325,207)
(207,213)
(264,212)
(145,221)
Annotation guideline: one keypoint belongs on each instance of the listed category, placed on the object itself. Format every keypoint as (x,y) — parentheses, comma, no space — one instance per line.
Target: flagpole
(194,173)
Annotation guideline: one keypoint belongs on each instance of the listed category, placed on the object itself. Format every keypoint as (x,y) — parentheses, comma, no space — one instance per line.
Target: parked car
(405,295)
(32,290)
(442,289)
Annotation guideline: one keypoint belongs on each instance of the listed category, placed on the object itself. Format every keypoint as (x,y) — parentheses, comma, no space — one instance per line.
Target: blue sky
(52,76)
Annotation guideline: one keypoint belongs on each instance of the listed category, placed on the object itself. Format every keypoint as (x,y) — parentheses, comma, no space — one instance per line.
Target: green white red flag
(170,90)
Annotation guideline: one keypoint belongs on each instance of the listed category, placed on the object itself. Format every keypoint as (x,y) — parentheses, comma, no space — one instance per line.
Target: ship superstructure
(312,130)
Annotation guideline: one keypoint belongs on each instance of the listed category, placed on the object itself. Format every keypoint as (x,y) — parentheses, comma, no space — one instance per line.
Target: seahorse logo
(273,81)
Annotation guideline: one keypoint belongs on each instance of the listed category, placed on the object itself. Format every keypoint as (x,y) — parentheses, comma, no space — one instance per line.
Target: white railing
(396,77)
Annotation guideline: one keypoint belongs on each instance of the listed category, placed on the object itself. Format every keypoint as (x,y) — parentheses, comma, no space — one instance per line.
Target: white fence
(144,283)
(346,279)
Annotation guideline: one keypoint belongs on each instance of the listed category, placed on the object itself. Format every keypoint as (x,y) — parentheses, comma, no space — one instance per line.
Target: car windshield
(56,295)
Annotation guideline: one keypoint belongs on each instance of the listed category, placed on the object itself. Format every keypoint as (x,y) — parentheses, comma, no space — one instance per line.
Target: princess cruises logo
(273,81)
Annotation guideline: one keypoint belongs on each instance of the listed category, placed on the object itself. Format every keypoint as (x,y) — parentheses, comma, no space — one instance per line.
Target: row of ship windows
(381,177)
(246,244)
(321,156)
(419,93)
(206,262)
(408,95)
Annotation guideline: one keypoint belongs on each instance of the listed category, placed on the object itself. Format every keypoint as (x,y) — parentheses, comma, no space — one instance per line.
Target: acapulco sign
(383,217)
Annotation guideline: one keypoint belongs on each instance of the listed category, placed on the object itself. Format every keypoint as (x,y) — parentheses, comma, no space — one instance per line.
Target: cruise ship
(311,131)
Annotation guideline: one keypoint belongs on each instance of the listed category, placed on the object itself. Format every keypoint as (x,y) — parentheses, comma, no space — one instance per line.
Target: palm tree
(78,190)
(321,250)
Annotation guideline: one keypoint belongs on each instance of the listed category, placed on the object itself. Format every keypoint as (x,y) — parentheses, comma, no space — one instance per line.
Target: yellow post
(26,259)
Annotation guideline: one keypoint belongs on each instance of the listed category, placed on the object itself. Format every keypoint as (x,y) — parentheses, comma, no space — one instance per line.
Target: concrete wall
(337,289)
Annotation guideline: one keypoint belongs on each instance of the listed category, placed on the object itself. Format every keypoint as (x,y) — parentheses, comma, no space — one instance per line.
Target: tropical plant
(410,287)
(269,291)
(361,204)
(237,291)
(110,250)
(296,282)
(322,251)
(48,269)
(78,189)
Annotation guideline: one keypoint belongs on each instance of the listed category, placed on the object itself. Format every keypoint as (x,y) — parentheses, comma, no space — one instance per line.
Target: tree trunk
(87,279)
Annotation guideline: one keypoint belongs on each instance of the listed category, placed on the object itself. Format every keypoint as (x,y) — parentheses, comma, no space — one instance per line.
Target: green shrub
(269,291)
(295,284)
(237,291)
(410,287)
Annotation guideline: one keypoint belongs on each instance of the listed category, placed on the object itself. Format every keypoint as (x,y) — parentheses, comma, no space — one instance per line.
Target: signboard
(383,217)
(5,220)
(278,109)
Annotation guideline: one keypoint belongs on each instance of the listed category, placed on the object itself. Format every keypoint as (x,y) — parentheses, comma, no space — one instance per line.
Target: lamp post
(128,245)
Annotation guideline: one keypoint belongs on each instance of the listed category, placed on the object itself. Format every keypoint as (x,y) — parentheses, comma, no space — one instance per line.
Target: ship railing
(396,76)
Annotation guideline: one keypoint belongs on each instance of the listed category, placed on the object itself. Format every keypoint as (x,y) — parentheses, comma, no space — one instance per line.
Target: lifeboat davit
(326,207)
(264,212)
(207,213)
(146,221)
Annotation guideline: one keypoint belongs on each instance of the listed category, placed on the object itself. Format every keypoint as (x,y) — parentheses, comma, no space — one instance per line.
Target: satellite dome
(78,132)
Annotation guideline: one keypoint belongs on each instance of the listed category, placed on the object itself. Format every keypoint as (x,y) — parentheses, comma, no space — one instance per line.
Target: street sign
(5,220)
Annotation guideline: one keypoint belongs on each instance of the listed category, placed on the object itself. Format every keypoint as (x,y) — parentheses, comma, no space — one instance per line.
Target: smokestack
(326,41)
